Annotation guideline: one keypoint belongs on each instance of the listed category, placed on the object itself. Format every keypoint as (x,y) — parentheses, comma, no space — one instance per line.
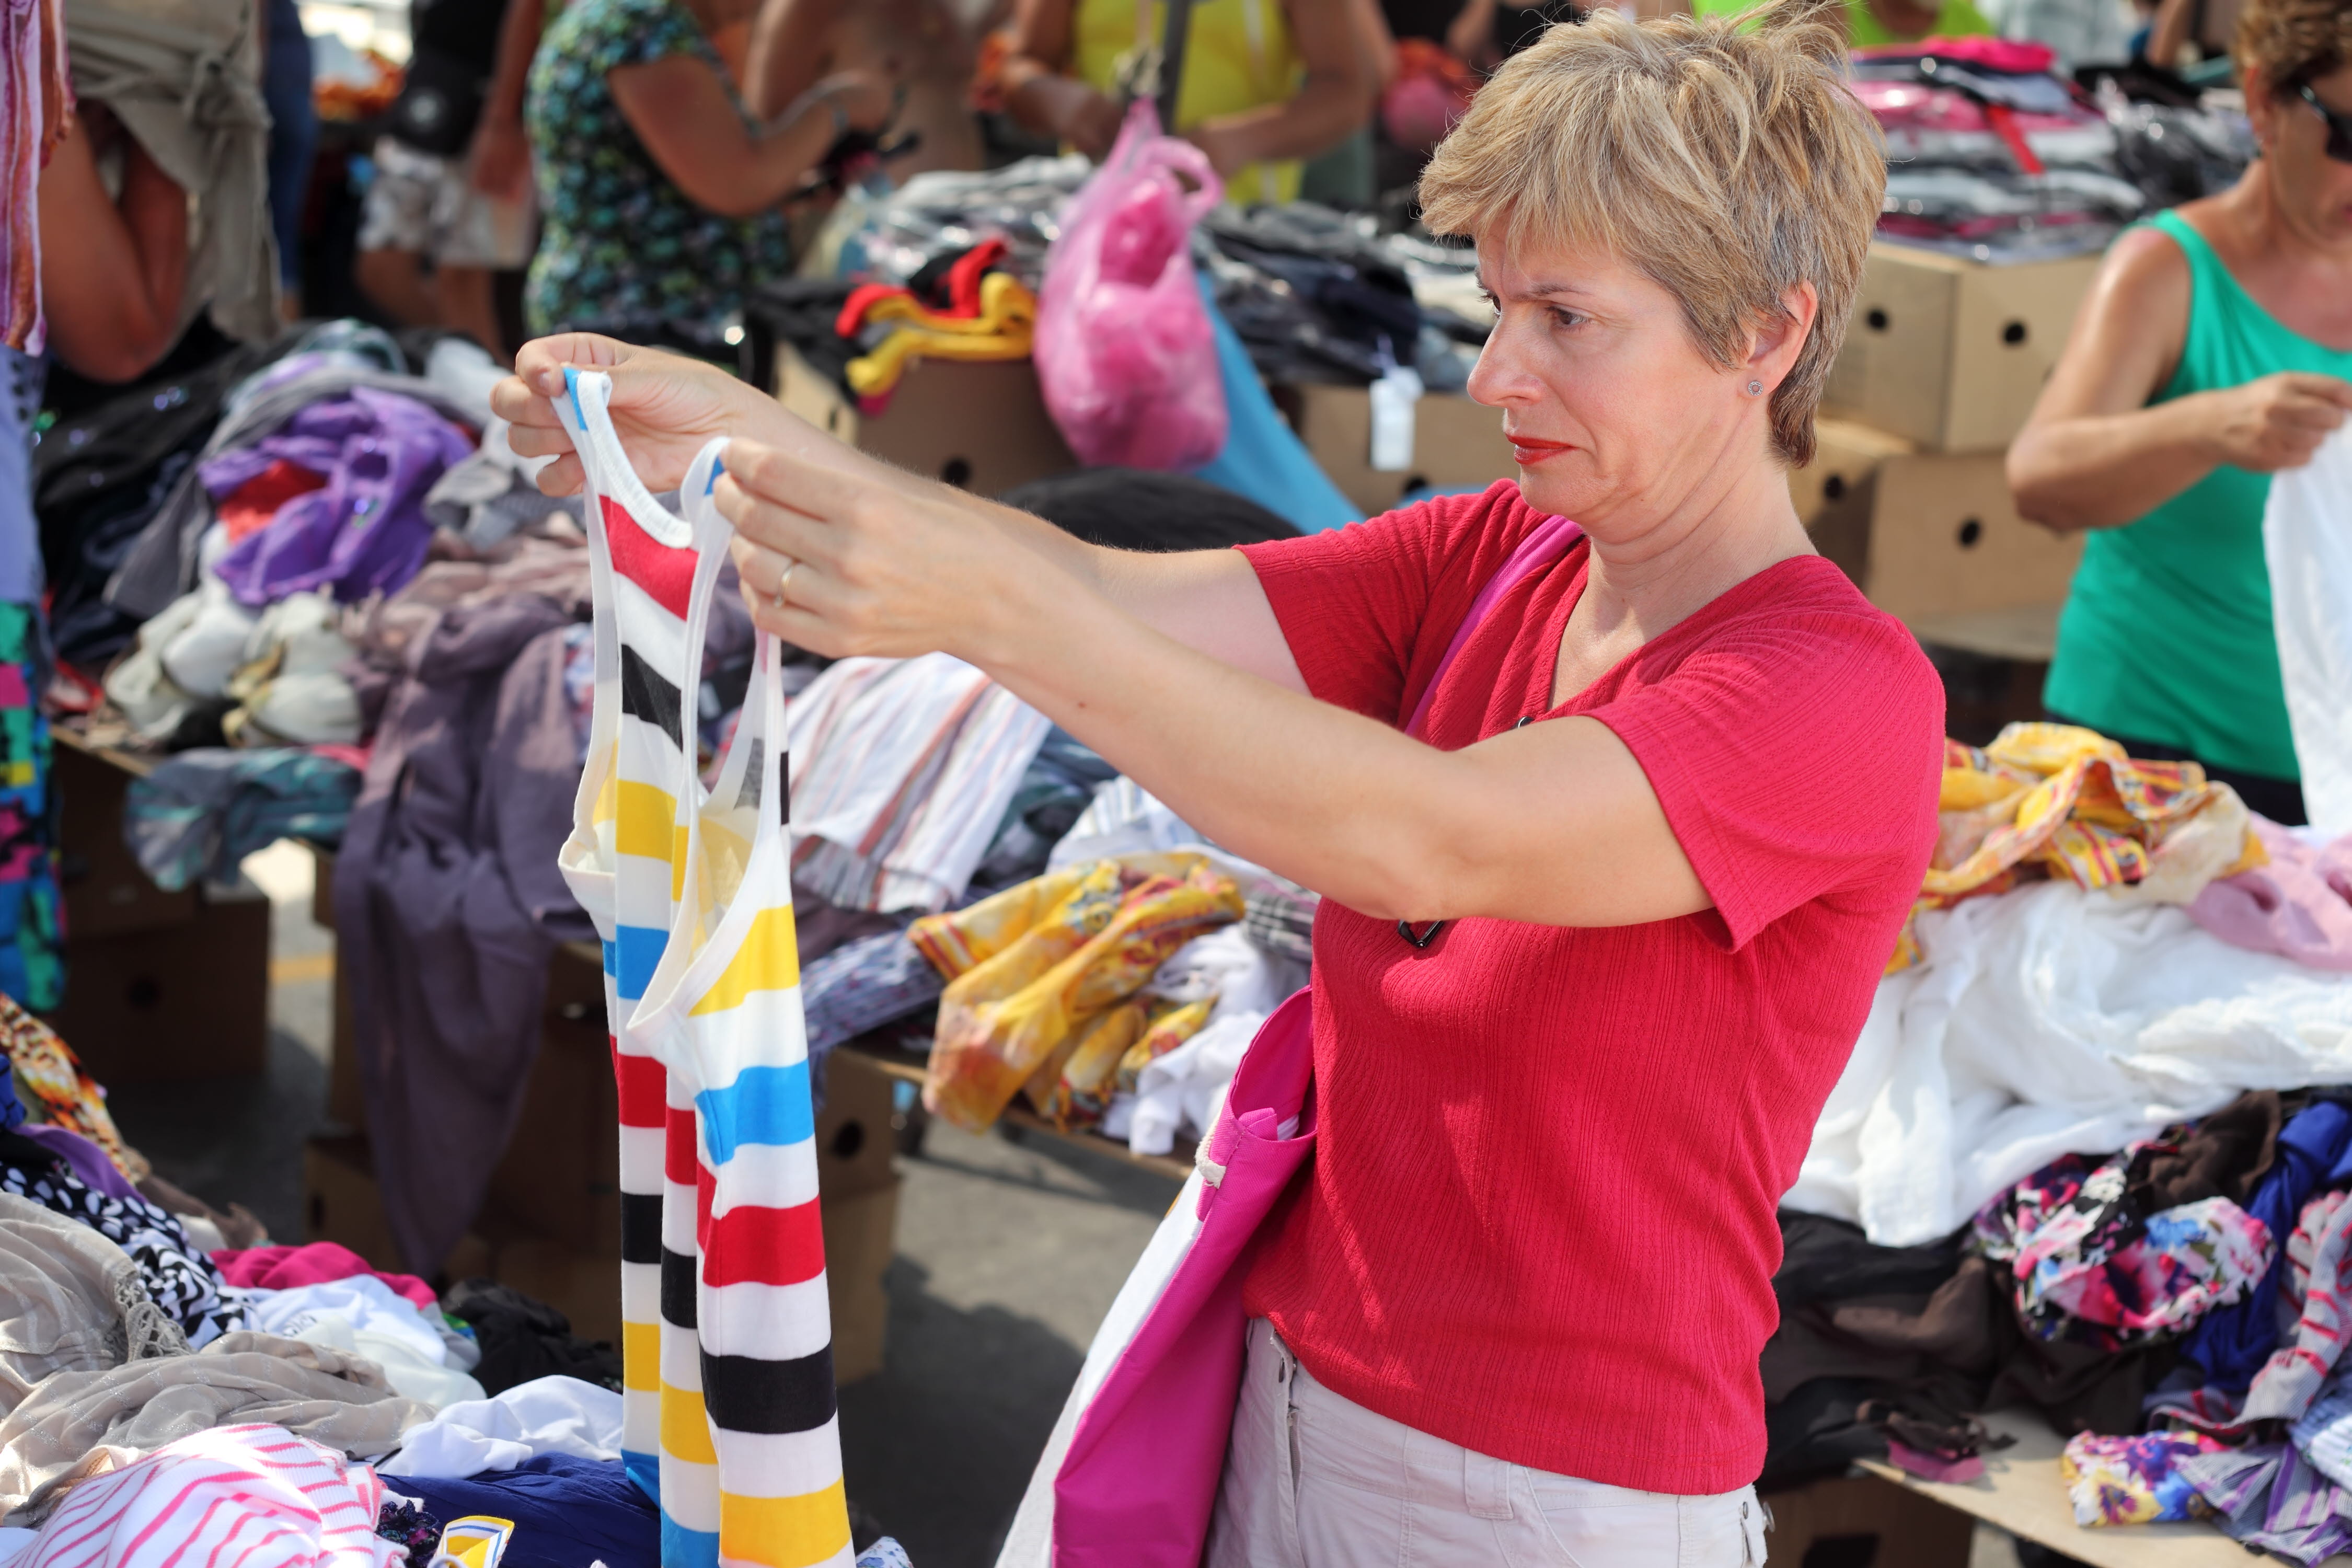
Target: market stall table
(2022,1493)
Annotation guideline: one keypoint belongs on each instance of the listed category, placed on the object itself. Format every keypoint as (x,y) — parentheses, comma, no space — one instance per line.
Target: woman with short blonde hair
(1604,907)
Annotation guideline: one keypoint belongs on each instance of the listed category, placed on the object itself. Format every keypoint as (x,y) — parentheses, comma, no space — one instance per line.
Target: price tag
(1393,395)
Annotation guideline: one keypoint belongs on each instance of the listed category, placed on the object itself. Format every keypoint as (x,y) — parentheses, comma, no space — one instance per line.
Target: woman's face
(1615,417)
(2314,190)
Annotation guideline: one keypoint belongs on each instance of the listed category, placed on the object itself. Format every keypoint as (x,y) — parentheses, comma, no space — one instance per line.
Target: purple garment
(2299,906)
(447,900)
(366,530)
(90,1166)
(2270,1499)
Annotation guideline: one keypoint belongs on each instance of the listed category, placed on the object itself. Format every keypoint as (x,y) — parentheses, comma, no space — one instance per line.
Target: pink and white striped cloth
(255,1496)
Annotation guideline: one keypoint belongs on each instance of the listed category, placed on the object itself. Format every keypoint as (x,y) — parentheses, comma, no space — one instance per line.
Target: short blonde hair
(2294,42)
(1724,158)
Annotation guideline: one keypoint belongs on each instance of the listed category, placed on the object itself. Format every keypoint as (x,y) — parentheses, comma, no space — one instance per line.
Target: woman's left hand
(842,554)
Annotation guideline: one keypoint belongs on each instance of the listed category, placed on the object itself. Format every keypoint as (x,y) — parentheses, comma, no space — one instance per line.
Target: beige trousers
(1314,1480)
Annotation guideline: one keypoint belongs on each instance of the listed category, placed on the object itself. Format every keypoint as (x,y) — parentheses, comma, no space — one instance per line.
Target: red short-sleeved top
(1540,1218)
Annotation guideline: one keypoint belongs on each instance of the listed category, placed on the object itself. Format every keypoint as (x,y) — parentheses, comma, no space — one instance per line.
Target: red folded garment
(253,505)
(320,1263)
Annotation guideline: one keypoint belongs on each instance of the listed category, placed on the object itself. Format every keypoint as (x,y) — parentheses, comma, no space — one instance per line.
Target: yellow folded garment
(2058,799)
(1033,967)
(1004,329)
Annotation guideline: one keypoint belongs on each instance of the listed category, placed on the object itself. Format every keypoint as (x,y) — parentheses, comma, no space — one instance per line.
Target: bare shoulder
(2146,270)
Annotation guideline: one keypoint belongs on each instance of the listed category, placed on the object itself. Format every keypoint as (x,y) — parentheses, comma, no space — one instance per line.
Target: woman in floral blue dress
(662,197)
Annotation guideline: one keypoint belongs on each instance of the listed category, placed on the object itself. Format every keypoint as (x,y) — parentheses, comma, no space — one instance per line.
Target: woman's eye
(1561,317)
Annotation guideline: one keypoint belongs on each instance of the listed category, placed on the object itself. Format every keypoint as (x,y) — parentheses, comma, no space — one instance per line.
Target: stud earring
(1754,387)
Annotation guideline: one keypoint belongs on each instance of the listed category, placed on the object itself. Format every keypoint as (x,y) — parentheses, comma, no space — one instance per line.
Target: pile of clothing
(2158,950)
(1323,296)
(2177,1306)
(2057,800)
(308,496)
(960,304)
(168,1374)
(1992,156)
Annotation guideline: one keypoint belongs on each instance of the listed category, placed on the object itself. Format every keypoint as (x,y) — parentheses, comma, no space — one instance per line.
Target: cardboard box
(1864,1519)
(1944,540)
(1455,442)
(855,1143)
(169,1003)
(559,1177)
(979,427)
(1951,353)
(1846,459)
(861,1236)
(106,892)
(343,1203)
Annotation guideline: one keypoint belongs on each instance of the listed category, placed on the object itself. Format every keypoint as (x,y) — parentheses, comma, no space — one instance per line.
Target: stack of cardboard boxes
(552,1223)
(165,986)
(1943,361)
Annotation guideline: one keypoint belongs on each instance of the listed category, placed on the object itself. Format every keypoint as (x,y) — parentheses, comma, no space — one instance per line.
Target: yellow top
(1238,55)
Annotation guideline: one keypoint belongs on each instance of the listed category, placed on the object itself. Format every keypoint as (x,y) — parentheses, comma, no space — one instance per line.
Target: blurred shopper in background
(2215,349)
(1266,83)
(286,86)
(114,267)
(925,48)
(661,195)
(451,202)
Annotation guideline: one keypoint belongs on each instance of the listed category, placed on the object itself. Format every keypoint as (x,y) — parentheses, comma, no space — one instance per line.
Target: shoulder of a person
(1804,619)
(2147,269)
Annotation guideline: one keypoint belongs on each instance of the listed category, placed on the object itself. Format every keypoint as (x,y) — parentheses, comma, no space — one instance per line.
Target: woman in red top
(1677,792)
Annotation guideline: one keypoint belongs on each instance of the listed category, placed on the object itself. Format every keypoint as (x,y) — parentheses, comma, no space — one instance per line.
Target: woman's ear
(1773,347)
(2261,107)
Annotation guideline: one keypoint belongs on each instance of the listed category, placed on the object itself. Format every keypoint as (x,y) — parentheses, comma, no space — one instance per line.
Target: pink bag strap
(1546,545)
(1538,550)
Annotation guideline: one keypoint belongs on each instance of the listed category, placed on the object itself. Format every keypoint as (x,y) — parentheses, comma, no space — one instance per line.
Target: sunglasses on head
(2339,126)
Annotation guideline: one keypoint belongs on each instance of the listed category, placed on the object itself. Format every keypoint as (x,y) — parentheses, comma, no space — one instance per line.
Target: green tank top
(1953,18)
(2167,632)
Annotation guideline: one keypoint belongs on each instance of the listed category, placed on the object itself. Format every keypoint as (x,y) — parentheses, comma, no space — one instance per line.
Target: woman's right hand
(2278,421)
(1091,123)
(664,407)
(867,99)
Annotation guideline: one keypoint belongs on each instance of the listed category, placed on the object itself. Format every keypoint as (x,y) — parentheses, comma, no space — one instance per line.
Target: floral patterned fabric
(2090,1271)
(619,241)
(2133,1480)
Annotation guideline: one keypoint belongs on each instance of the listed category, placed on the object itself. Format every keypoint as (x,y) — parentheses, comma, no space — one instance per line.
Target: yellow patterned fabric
(2048,800)
(1032,969)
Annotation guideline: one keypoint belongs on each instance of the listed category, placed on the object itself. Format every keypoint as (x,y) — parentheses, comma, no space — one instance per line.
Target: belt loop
(1485,1486)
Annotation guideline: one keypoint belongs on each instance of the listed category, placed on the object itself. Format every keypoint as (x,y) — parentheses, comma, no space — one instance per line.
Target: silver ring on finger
(784,581)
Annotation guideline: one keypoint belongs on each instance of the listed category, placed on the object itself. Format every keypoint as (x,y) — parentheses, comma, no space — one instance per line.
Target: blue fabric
(567,1512)
(1263,459)
(763,1105)
(293,133)
(2314,1150)
(638,951)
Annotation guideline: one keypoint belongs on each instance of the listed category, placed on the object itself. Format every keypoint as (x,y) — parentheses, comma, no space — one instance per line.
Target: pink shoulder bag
(1140,1481)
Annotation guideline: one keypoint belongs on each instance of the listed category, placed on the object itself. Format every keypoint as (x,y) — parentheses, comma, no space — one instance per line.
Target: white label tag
(1393,396)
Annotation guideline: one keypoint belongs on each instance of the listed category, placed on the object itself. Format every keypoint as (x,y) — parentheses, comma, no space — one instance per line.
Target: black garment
(1311,296)
(2281,800)
(454,49)
(800,312)
(464,30)
(1420,18)
(522,1338)
(100,477)
(1135,509)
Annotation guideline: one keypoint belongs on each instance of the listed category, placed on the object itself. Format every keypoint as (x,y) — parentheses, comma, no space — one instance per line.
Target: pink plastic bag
(1124,352)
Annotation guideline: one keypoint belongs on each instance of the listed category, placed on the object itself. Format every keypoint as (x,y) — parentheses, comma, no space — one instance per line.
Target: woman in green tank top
(2215,349)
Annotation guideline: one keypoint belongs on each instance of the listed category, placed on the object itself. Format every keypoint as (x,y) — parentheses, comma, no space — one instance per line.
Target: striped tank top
(723,1009)
(652,574)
